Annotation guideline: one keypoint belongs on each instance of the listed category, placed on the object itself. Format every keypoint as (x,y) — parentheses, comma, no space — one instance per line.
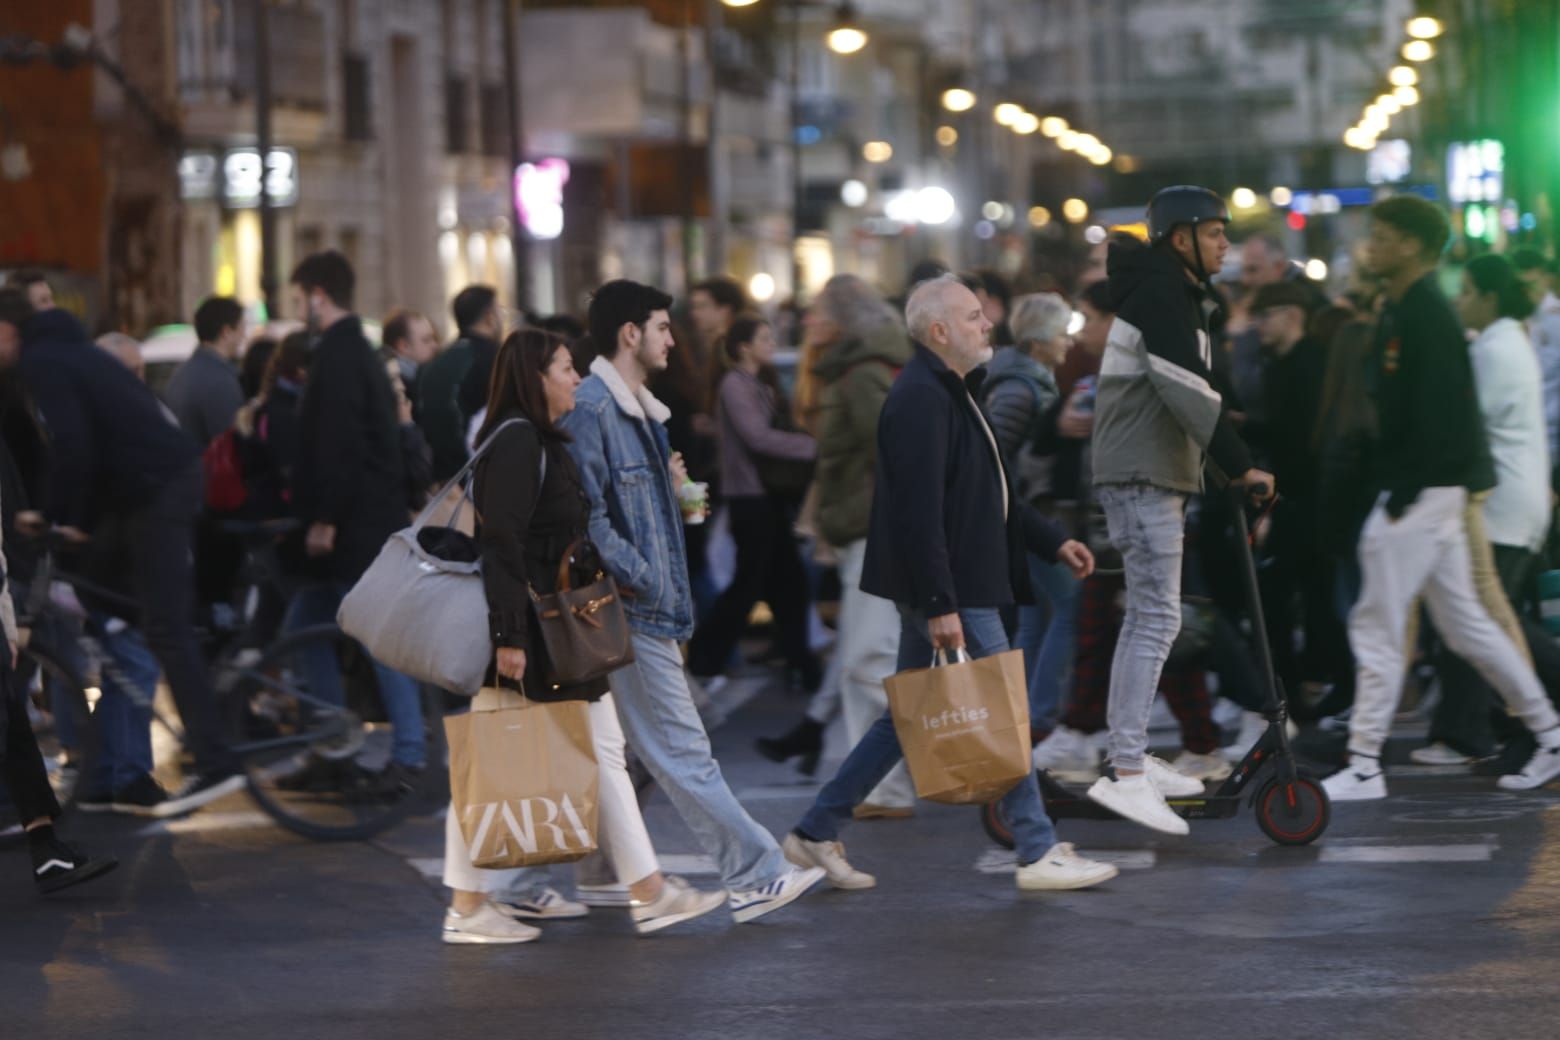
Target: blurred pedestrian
(35,284)
(1432,456)
(1156,416)
(410,342)
(631,479)
(1543,325)
(444,422)
(946,546)
(251,368)
(996,302)
(204,391)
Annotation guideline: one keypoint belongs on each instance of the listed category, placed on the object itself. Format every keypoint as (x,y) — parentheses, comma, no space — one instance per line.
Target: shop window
(456,114)
(356,124)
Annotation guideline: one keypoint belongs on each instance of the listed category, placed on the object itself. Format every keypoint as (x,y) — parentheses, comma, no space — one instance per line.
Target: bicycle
(303,714)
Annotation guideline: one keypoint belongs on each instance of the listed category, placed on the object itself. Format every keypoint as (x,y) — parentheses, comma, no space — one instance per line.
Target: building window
(456,114)
(495,121)
(356,125)
(310,240)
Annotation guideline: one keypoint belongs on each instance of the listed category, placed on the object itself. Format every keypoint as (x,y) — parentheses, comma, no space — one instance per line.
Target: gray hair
(125,348)
(1039,318)
(856,309)
(928,304)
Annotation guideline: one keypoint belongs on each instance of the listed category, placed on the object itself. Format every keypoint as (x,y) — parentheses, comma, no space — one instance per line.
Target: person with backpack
(1022,402)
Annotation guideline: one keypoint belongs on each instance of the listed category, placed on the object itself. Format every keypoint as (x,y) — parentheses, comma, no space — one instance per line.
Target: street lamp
(1075,210)
(1424,28)
(739,3)
(957,99)
(1403,76)
(1407,96)
(1053,126)
(1418,50)
(1007,113)
(1026,124)
(846,37)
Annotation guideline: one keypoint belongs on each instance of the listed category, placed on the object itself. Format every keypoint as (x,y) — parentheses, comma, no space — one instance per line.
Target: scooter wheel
(995,821)
(1277,819)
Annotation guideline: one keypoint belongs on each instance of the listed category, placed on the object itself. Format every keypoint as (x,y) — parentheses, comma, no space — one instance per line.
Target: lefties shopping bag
(964,726)
(523,780)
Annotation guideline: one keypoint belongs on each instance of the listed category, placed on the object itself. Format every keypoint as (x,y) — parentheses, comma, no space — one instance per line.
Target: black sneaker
(57,865)
(320,776)
(95,801)
(142,796)
(390,784)
(198,790)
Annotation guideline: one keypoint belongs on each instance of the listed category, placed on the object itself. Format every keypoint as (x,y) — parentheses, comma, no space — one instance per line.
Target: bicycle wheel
(61,716)
(310,726)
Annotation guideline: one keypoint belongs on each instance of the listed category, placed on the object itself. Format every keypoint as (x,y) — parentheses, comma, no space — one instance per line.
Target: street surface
(1433,914)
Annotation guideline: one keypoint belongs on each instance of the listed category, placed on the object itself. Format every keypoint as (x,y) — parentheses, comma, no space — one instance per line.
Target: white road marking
(208,821)
(432,869)
(1480,853)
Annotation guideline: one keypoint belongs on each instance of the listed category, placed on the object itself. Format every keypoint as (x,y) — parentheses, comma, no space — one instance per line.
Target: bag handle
(461,478)
(940,657)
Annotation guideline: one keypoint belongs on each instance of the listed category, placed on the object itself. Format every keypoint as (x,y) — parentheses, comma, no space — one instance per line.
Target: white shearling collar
(640,404)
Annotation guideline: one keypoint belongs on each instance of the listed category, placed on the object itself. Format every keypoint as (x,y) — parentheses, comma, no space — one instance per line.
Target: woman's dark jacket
(527,523)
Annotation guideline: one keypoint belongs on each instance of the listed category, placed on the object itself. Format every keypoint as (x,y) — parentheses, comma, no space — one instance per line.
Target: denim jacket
(620,444)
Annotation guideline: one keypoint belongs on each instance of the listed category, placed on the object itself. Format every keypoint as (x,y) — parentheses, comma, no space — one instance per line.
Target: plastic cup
(694,497)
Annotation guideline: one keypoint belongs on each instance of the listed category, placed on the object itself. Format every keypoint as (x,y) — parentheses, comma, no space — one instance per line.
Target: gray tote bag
(420,612)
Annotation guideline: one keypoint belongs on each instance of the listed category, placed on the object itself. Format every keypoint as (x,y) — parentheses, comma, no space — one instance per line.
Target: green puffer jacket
(855,376)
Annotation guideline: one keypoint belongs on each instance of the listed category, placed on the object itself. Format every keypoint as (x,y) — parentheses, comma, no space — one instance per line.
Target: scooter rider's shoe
(1543,767)
(1168,782)
(1359,781)
(1136,798)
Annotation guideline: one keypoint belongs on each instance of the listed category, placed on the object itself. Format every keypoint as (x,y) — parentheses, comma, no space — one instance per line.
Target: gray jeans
(1147,526)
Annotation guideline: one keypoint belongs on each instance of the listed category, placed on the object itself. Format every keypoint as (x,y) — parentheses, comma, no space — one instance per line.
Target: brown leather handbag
(584,629)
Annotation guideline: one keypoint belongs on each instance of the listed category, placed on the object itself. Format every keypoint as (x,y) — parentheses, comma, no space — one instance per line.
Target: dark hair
(1526,260)
(565,325)
(331,273)
(517,382)
(15,308)
(992,284)
(1419,219)
(399,326)
(471,305)
(622,303)
(1326,322)
(29,277)
(1495,274)
(257,358)
(924,271)
(725,292)
(741,333)
(216,315)
(290,360)
(1097,295)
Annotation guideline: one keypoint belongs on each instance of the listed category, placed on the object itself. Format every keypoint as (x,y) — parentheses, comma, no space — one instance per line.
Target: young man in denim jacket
(631,477)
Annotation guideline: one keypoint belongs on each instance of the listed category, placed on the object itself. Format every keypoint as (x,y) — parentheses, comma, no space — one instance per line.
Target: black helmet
(1183,204)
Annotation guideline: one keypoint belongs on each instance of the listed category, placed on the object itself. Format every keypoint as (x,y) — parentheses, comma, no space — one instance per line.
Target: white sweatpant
(868,653)
(627,843)
(1426,554)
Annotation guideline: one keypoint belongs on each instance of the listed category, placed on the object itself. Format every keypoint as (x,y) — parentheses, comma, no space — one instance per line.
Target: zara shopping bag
(524,780)
(420,608)
(964,726)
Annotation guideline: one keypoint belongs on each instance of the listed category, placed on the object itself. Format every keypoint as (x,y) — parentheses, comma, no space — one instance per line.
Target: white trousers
(623,834)
(868,652)
(1428,554)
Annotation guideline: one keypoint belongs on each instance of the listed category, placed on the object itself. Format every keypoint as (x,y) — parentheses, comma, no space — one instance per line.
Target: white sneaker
(609,897)
(1167,781)
(829,856)
(486,926)
(1356,784)
(1212,766)
(1138,800)
(1252,726)
(544,905)
(1439,754)
(678,902)
(1062,869)
(779,893)
(1069,756)
(1543,767)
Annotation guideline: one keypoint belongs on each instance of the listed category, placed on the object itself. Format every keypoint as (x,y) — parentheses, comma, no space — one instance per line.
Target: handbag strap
(463,479)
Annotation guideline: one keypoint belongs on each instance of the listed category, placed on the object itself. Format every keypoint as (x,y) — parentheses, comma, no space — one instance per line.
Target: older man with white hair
(946,545)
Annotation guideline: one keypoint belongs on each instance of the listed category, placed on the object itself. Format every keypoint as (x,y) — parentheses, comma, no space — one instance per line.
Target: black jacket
(112,447)
(473,394)
(349,471)
(1430,429)
(938,542)
(529,520)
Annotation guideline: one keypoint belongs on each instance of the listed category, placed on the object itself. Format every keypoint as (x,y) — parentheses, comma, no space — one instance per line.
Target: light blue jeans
(1148,527)
(1048,635)
(400,696)
(663,727)
(878,752)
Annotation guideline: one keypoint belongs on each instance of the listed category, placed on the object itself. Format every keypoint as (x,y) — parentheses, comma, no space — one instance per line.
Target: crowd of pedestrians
(981,468)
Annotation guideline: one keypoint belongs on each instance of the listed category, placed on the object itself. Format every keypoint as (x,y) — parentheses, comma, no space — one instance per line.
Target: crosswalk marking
(1482,852)
(207,821)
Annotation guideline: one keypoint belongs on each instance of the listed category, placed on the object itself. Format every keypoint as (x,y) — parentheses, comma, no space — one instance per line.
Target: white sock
(1550,738)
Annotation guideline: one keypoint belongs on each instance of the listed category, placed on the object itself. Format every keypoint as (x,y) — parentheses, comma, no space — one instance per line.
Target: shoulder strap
(462,479)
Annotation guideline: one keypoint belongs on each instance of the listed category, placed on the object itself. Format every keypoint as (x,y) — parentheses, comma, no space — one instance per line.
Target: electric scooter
(1291,808)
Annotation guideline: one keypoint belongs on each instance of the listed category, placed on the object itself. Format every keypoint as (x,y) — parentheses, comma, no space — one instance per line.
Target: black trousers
(1300,575)
(769,568)
(162,537)
(21,763)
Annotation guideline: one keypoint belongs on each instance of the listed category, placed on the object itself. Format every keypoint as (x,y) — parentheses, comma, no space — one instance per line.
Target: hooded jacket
(1157,412)
(855,376)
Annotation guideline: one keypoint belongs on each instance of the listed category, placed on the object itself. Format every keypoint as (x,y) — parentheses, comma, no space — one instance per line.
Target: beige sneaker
(678,902)
(830,857)
(1062,869)
(486,926)
(1212,766)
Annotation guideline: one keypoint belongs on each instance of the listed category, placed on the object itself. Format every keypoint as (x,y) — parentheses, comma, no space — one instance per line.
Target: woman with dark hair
(533,510)
(267,429)
(257,358)
(753,421)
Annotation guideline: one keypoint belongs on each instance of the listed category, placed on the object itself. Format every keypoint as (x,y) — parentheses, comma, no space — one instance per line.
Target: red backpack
(225,490)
